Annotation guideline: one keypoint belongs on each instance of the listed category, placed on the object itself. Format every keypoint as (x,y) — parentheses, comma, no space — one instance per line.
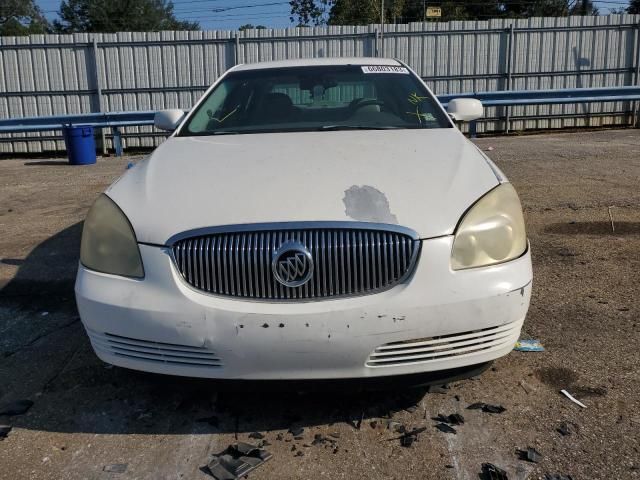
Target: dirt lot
(585,310)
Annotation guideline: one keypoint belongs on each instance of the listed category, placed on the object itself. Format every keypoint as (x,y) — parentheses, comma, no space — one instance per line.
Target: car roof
(311,62)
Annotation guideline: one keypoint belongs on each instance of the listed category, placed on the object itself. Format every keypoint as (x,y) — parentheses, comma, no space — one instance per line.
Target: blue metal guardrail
(117,120)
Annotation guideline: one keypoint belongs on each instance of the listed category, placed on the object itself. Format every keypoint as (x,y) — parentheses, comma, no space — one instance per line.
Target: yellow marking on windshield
(220,120)
(415,99)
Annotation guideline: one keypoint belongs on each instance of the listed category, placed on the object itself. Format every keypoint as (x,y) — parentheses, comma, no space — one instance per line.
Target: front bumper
(442,319)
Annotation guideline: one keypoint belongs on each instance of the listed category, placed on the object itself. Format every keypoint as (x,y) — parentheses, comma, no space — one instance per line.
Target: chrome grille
(347,261)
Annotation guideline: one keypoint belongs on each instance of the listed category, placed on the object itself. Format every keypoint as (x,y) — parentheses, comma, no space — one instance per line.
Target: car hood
(421,179)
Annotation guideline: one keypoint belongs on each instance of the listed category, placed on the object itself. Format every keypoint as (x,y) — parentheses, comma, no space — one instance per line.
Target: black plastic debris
(115,468)
(491,472)
(486,407)
(237,461)
(4,431)
(442,389)
(319,439)
(409,436)
(453,419)
(557,476)
(373,424)
(530,455)
(443,427)
(355,422)
(407,441)
(256,435)
(296,431)
(16,408)
(564,429)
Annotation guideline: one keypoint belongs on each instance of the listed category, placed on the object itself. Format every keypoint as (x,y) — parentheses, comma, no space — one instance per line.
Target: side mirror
(465,109)
(168,119)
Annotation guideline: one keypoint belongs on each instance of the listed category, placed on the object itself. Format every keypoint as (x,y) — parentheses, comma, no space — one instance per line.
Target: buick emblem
(292,264)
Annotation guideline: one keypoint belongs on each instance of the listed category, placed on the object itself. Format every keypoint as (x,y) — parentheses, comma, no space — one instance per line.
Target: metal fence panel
(44,75)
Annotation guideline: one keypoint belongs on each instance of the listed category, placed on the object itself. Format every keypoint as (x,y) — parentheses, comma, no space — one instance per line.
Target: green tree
(21,17)
(119,16)
(305,12)
(250,26)
(582,7)
(634,6)
(364,12)
(540,8)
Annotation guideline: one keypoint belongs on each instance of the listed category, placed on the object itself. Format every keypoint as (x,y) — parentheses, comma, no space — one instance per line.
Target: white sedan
(309,219)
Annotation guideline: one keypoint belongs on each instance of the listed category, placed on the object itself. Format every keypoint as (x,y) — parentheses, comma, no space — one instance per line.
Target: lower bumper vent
(432,349)
(143,350)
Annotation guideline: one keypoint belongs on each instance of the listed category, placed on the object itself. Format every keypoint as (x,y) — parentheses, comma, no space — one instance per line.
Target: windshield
(316,98)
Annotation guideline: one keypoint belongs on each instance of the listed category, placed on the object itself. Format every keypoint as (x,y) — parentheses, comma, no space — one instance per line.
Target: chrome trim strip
(277,226)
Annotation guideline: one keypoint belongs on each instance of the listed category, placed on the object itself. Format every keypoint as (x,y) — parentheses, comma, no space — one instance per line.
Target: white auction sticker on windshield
(384,69)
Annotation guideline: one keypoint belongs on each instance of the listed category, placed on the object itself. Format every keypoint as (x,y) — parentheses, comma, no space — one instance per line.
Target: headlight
(108,242)
(491,232)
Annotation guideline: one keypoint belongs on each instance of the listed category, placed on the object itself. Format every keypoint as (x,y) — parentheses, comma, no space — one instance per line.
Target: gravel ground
(87,416)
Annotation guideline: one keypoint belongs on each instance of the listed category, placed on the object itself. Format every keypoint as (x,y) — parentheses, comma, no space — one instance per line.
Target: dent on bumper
(439,319)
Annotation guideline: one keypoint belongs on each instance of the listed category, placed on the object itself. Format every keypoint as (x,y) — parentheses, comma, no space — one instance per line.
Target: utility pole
(382,27)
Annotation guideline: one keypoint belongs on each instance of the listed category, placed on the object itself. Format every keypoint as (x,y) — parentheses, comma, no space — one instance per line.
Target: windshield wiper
(356,127)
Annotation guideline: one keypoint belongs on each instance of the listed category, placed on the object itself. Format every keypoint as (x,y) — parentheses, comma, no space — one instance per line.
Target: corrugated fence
(64,74)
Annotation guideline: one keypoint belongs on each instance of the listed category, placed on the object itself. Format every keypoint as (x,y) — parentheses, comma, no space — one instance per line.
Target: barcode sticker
(384,69)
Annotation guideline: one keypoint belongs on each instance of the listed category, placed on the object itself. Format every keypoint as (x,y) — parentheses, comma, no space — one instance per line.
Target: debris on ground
(443,427)
(408,440)
(358,423)
(115,468)
(299,453)
(334,434)
(557,476)
(237,461)
(442,389)
(572,398)
(16,408)
(4,431)
(373,424)
(486,407)
(565,429)
(529,346)
(408,437)
(256,435)
(296,431)
(492,472)
(319,439)
(526,387)
(530,455)
(453,419)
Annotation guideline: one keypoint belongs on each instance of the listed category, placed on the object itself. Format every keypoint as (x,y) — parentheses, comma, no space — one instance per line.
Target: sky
(233,13)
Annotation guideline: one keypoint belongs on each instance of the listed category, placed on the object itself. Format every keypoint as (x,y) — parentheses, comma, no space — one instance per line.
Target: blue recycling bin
(80,143)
